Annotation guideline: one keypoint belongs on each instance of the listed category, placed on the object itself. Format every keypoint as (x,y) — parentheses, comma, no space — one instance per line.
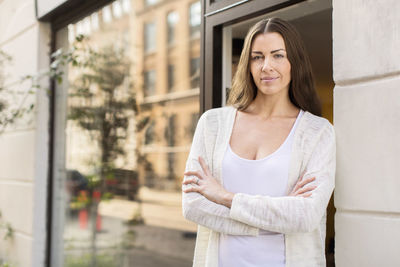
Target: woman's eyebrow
(256,52)
(273,51)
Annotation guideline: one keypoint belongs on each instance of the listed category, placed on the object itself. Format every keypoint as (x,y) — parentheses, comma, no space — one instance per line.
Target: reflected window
(149,82)
(171,77)
(150,37)
(195,72)
(195,19)
(150,2)
(117,9)
(150,134)
(95,20)
(107,17)
(194,117)
(172,20)
(170,130)
(126,6)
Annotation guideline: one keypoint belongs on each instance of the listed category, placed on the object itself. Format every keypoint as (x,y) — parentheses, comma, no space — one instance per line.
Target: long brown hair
(302,91)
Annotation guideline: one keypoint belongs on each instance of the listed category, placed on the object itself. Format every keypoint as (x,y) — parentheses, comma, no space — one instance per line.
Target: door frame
(216,15)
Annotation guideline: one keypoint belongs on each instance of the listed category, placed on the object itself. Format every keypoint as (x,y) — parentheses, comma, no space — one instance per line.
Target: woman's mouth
(268,79)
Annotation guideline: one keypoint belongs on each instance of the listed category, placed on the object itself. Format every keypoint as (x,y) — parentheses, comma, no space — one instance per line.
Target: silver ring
(197,181)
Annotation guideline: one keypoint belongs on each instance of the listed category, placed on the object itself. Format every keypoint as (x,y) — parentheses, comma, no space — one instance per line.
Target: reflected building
(167,64)
(162,41)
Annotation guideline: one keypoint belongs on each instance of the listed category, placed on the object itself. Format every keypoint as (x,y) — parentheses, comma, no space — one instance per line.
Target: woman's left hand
(203,183)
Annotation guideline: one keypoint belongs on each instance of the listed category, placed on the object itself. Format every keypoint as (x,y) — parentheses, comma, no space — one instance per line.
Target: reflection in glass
(171,77)
(195,19)
(194,72)
(126,113)
(107,17)
(149,82)
(149,37)
(172,20)
(150,2)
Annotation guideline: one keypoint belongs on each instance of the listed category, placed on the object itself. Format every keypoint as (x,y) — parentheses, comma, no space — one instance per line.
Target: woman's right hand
(301,190)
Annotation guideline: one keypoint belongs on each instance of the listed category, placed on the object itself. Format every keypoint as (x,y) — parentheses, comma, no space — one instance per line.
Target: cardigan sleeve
(294,214)
(196,207)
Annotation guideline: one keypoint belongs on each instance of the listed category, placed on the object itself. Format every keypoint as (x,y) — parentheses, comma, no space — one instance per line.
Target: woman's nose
(266,64)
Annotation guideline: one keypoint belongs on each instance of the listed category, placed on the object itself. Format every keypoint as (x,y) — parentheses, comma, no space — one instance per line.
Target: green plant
(9,231)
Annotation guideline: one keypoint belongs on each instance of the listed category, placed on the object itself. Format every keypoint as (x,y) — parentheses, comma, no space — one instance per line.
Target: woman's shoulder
(314,125)
(218,114)
(316,122)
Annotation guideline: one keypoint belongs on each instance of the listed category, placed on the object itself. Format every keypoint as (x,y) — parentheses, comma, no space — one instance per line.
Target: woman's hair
(301,89)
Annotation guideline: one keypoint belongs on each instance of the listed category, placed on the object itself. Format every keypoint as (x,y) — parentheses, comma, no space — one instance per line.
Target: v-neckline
(292,130)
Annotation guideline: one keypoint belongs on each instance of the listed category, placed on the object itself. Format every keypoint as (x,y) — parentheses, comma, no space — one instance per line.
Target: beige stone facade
(367,122)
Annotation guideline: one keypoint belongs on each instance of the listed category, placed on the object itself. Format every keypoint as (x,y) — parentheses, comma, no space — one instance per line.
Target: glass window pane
(195,72)
(150,37)
(126,6)
(172,20)
(150,2)
(117,9)
(107,17)
(195,19)
(171,77)
(126,112)
(149,82)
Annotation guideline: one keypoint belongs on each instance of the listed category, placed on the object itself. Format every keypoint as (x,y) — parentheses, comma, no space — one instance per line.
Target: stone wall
(24,146)
(366,66)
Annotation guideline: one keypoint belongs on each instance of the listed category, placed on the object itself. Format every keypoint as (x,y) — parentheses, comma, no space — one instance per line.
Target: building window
(194,117)
(149,82)
(195,72)
(171,77)
(150,2)
(107,17)
(149,37)
(171,166)
(150,134)
(172,20)
(117,9)
(95,20)
(126,6)
(195,19)
(170,132)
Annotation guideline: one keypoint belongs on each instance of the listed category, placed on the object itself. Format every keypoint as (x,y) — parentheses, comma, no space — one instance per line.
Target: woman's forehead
(270,41)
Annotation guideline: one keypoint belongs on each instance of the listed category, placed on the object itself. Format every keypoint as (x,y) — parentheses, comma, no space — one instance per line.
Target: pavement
(164,238)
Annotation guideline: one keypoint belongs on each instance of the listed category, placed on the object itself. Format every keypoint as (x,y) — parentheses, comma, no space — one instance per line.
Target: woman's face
(269,64)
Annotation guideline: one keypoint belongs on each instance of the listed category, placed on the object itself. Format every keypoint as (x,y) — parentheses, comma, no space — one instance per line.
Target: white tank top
(266,176)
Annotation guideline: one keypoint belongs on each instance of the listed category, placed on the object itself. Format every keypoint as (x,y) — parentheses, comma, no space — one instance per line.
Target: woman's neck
(269,106)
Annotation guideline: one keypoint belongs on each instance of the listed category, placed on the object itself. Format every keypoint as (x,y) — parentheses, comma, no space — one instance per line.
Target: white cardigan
(301,220)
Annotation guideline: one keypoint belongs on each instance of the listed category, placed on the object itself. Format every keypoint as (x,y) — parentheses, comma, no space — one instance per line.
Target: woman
(260,172)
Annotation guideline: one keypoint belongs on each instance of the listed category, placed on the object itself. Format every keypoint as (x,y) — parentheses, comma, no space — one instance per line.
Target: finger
(204,166)
(305,189)
(194,173)
(306,195)
(191,189)
(302,175)
(190,181)
(306,181)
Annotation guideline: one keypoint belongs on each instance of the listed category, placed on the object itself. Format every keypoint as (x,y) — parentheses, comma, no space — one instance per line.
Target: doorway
(225,30)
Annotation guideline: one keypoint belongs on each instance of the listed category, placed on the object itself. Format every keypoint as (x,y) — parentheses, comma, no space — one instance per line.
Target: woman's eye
(256,57)
(279,56)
